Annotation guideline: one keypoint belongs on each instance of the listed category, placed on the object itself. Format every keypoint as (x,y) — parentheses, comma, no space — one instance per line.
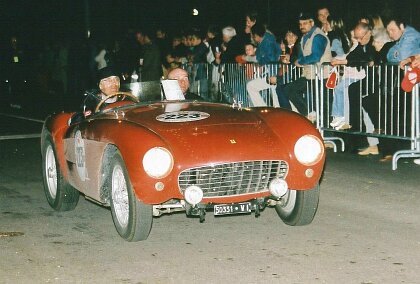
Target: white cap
(229,31)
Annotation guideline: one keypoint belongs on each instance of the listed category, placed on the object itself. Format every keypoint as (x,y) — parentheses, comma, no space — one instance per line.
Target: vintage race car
(155,156)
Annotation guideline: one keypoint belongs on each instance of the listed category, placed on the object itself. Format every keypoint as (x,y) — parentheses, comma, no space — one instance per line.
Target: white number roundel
(80,155)
(182,116)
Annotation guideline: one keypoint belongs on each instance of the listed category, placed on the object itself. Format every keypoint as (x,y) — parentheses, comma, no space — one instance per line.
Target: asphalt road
(367,230)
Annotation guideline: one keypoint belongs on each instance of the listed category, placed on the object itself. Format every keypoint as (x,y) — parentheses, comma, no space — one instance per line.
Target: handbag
(332,79)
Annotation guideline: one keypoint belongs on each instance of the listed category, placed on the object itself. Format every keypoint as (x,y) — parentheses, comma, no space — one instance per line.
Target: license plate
(236,208)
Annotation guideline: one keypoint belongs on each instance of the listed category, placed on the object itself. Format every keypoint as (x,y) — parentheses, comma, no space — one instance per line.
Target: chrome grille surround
(231,179)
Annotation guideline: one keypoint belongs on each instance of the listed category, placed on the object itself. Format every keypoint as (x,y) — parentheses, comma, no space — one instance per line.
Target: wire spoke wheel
(132,218)
(59,193)
(120,196)
(51,171)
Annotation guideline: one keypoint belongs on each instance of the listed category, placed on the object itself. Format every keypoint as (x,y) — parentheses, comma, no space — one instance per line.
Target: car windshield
(145,91)
(153,91)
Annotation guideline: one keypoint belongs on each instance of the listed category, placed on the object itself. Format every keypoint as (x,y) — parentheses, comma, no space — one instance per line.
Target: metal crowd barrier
(375,105)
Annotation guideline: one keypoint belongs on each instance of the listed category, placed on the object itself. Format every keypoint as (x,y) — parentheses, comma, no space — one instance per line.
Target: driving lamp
(193,195)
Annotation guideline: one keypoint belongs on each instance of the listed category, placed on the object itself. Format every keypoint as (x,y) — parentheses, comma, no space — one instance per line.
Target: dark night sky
(44,19)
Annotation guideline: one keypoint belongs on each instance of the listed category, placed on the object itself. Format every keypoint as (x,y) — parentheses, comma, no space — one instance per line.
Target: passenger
(181,76)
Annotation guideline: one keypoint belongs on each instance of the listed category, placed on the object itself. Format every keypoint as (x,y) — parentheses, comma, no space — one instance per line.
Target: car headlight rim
(308,150)
(158,162)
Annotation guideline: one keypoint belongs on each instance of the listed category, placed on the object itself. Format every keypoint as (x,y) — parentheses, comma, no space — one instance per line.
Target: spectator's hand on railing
(414,60)
(297,64)
(272,80)
(335,62)
(285,58)
(404,62)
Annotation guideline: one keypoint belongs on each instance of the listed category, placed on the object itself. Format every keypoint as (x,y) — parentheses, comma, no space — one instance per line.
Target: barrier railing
(374,105)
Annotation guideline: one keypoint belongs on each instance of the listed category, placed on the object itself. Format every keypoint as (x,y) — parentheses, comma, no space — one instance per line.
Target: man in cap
(314,49)
(108,84)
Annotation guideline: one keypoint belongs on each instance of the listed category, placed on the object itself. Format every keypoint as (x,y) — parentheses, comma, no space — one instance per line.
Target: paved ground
(367,230)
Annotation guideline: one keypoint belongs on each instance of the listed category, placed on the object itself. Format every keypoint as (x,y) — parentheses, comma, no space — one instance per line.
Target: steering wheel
(123,94)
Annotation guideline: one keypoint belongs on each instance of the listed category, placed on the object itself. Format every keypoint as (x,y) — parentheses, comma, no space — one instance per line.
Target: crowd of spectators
(69,67)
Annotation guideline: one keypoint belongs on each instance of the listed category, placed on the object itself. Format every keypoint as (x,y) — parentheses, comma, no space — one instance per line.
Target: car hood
(200,130)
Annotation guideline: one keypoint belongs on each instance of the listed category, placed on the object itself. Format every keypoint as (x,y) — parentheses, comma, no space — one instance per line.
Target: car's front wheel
(298,207)
(132,218)
(59,193)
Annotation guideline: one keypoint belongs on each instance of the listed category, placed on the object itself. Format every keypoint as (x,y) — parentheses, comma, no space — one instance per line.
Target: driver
(108,83)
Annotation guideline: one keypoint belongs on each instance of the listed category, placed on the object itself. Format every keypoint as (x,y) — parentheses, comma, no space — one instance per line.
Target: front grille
(233,178)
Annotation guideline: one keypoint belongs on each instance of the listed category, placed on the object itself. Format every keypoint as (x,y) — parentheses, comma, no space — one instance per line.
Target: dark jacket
(233,48)
(381,55)
(361,55)
(152,66)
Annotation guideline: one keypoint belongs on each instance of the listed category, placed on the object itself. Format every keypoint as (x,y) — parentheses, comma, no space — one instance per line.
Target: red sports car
(154,156)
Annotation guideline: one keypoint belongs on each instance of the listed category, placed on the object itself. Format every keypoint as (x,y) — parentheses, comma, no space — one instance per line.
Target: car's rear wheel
(59,193)
(298,207)
(132,218)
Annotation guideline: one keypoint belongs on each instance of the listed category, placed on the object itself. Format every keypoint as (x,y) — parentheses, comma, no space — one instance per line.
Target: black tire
(59,193)
(298,207)
(132,218)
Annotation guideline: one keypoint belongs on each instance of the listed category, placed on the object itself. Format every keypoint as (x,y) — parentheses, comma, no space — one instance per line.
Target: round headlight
(308,150)
(158,162)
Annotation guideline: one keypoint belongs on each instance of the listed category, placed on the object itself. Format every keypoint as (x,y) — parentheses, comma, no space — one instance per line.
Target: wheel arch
(132,141)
